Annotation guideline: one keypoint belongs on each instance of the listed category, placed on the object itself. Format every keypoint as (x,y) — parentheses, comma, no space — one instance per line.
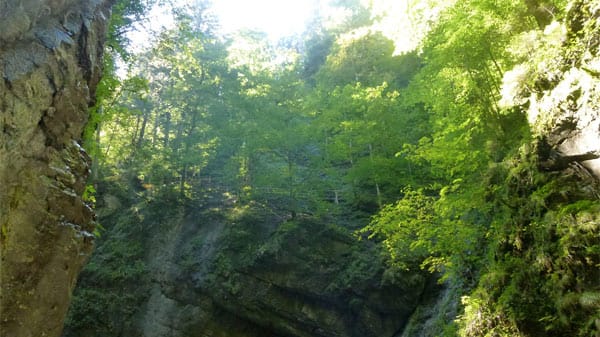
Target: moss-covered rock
(50,52)
(244,271)
(542,278)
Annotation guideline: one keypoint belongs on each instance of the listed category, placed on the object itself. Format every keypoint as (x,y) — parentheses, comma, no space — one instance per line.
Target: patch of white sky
(406,22)
(403,21)
(284,18)
(277,18)
(395,23)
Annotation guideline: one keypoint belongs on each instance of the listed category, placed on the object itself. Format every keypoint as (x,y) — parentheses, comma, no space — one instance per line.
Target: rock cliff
(50,57)
(229,270)
(557,87)
(215,267)
(546,249)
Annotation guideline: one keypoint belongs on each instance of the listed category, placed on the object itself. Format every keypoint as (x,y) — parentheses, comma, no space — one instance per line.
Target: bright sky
(281,18)
(278,18)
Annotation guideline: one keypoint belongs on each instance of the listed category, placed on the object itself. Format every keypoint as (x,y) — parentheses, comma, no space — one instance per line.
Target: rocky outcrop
(50,57)
(221,269)
(553,191)
(558,88)
(301,278)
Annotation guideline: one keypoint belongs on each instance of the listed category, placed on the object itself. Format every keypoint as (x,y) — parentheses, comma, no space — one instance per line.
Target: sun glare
(283,18)
(277,18)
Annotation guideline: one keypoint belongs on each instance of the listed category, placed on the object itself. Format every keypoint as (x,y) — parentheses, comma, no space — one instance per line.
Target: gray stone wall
(50,57)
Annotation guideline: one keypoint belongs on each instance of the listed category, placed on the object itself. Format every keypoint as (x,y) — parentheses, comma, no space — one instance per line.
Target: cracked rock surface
(50,52)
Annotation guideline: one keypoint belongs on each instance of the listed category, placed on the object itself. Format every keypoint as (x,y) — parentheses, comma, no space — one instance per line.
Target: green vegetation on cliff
(316,187)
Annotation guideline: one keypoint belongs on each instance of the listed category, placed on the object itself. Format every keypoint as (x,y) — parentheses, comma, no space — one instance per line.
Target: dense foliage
(428,152)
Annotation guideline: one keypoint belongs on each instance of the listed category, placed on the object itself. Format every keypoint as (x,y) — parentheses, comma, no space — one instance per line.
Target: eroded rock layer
(245,277)
(244,271)
(50,57)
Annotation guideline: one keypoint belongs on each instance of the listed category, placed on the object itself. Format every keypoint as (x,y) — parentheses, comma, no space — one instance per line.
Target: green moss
(3,234)
(543,269)
(116,280)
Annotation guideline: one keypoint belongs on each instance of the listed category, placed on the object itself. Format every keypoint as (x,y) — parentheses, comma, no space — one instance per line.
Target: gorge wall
(50,61)
(216,266)
(222,269)
(542,278)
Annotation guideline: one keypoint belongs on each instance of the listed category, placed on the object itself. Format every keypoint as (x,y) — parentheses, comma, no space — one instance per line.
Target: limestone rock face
(249,278)
(236,271)
(562,98)
(50,57)
(575,129)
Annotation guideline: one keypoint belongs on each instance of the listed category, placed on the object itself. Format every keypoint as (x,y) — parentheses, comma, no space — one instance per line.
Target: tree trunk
(377,189)
(167,127)
(145,117)
(291,189)
(542,11)
(50,57)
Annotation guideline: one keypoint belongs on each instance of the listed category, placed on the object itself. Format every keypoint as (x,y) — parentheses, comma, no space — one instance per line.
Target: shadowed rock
(50,52)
